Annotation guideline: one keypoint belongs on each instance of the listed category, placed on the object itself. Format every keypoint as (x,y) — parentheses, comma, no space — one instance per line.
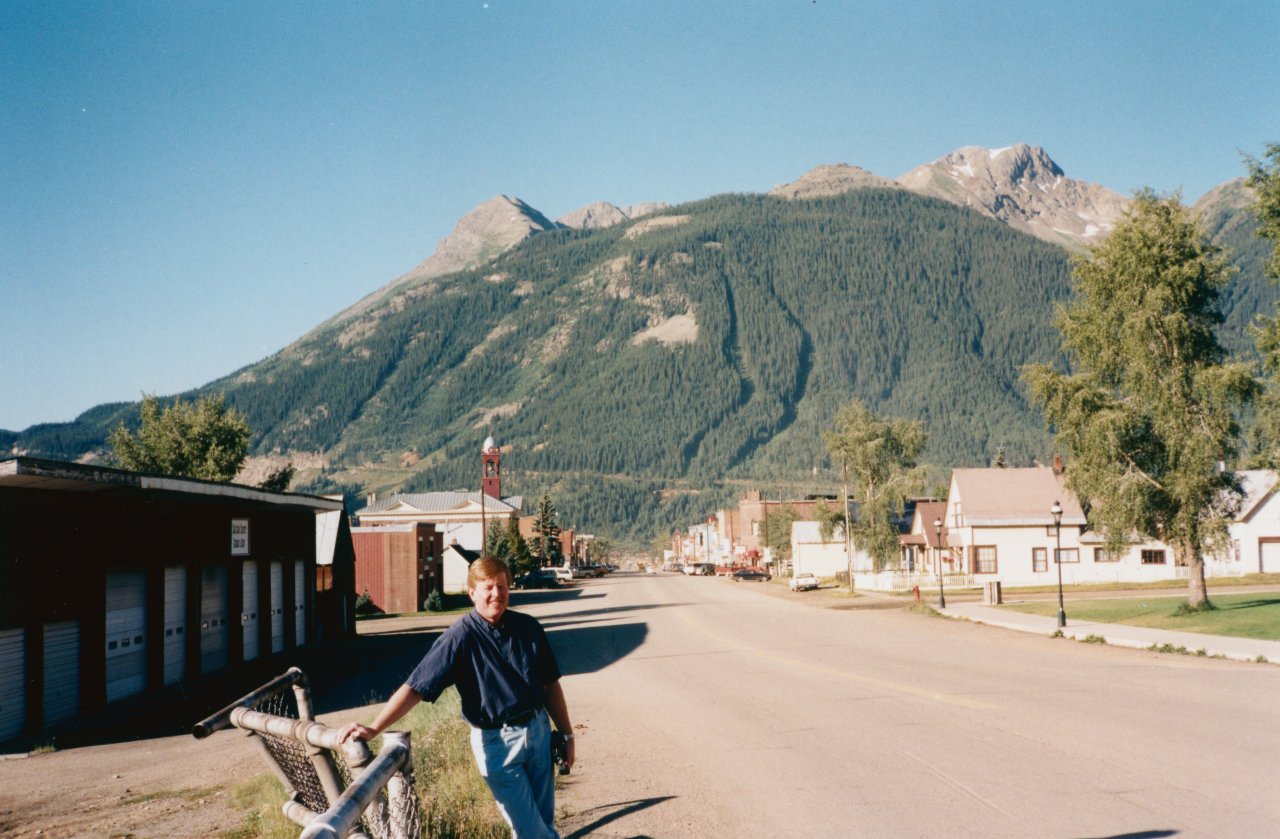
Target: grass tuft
(1093,639)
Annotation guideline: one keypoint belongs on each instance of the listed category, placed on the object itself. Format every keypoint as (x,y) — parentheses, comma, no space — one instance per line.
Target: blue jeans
(515,761)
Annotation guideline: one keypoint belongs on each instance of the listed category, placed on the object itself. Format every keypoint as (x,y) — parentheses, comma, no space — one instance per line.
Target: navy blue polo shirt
(499,670)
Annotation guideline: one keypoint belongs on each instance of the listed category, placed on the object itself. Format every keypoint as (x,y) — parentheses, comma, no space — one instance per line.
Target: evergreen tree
(204,440)
(1150,414)
(877,460)
(547,546)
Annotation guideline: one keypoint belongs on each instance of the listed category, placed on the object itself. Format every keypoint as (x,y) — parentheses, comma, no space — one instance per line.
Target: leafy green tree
(279,480)
(1151,411)
(776,531)
(1264,178)
(546,546)
(877,460)
(203,440)
(601,550)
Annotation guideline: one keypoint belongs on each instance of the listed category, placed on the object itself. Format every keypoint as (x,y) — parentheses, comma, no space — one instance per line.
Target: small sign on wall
(239,537)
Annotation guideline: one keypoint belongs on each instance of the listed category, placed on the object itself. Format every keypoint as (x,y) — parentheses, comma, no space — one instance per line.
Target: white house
(1255,533)
(823,557)
(456,515)
(999,527)
(456,561)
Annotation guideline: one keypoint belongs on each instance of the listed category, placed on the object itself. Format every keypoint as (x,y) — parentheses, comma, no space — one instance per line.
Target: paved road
(707,707)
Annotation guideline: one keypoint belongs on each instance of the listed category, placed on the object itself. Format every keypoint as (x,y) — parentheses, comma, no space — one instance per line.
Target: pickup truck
(803,581)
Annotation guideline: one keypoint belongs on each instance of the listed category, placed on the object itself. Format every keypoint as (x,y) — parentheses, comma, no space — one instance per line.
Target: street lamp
(1056,512)
(937,530)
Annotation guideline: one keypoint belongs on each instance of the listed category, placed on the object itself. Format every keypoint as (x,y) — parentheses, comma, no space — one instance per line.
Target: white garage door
(13,683)
(249,609)
(1269,557)
(277,607)
(61,672)
(126,653)
(175,623)
(299,604)
(213,619)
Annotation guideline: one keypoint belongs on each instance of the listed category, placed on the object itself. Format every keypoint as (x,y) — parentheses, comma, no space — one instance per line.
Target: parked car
(539,578)
(758,575)
(804,581)
(562,572)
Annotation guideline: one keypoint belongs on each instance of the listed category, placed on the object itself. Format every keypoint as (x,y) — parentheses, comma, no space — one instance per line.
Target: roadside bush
(365,604)
(435,602)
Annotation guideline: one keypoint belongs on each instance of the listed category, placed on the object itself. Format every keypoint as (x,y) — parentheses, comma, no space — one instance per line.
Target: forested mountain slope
(646,372)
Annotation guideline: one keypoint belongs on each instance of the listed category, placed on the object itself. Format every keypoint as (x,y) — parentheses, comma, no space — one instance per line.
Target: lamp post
(942,597)
(1056,512)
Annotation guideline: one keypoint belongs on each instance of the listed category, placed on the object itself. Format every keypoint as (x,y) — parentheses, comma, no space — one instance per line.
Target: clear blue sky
(188,187)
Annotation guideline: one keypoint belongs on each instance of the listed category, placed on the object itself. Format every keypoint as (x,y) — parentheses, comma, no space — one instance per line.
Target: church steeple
(491,475)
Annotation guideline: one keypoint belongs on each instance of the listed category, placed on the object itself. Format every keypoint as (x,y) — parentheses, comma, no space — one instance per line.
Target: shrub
(435,602)
(365,604)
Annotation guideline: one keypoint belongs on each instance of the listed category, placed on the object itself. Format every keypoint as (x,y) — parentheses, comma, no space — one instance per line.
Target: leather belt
(519,719)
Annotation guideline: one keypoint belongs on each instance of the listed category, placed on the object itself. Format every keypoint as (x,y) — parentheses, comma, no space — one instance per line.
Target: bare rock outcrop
(1021,186)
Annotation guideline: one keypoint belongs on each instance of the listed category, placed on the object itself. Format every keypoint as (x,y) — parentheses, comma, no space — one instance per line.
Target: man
(509,681)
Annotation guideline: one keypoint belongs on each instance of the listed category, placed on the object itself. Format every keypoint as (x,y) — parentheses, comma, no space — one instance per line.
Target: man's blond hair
(487,568)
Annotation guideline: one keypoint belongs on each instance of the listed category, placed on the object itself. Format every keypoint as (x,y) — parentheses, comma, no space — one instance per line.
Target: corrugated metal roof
(443,502)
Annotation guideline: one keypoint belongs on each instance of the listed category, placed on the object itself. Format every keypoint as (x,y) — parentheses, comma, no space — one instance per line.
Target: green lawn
(1251,615)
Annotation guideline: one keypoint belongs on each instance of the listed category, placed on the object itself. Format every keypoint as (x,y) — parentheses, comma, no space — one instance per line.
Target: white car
(562,573)
(804,581)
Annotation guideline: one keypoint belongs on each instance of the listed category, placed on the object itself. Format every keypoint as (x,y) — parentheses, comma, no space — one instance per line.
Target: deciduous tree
(203,440)
(1264,178)
(1149,414)
(877,459)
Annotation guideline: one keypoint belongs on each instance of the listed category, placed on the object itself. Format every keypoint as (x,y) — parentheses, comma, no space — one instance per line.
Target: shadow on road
(613,812)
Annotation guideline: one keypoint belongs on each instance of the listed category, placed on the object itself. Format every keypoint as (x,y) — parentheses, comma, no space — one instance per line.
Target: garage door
(13,683)
(126,654)
(299,604)
(61,701)
(249,610)
(213,619)
(1269,557)
(277,607)
(175,624)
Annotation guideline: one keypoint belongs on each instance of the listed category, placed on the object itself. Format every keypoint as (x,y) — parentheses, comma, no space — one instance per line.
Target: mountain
(646,364)
(601,214)
(492,228)
(1021,186)
(831,180)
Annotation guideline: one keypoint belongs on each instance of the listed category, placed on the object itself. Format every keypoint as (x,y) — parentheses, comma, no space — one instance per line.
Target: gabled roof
(1258,484)
(442,502)
(927,512)
(996,497)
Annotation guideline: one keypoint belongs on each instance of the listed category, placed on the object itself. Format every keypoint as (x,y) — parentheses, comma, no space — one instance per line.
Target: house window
(1152,557)
(1068,555)
(984,559)
(1039,559)
(1104,555)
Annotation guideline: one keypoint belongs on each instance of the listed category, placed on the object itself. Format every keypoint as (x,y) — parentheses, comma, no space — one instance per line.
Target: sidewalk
(1118,634)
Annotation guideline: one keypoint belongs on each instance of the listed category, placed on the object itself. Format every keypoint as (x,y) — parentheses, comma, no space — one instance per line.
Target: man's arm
(558,710)
(397,706)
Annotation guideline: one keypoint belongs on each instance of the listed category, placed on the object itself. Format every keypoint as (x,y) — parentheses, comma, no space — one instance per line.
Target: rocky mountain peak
(600,214)
(1023,187)
(831,179)
(491,228)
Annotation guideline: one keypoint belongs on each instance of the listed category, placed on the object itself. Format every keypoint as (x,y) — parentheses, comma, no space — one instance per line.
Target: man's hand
(569,752)
(356,731)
